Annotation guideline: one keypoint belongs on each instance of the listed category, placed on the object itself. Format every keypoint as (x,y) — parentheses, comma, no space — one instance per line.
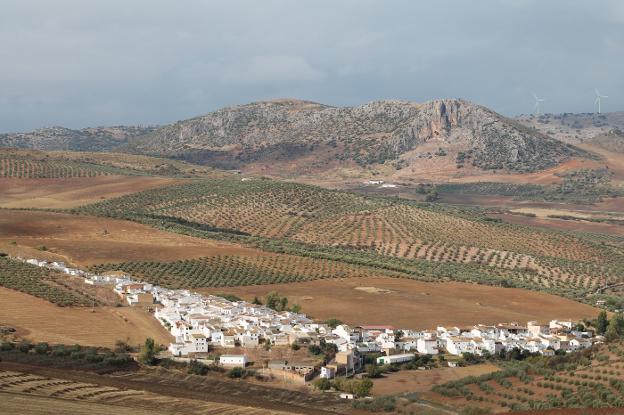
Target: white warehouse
(395,358)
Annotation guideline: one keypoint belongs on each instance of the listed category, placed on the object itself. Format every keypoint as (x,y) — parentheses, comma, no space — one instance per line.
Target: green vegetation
(148,352)
(64,356)
(376,404)
(578,186)
(224,271)
(326,234)
(25,167)
(41,282)
(589,378)
(359,388)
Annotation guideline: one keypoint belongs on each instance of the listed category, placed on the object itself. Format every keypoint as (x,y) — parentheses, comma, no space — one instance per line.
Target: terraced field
(589,379)
(23,392)
(43,283)
(230,270)
(33,164)
(394,234)
(27,168)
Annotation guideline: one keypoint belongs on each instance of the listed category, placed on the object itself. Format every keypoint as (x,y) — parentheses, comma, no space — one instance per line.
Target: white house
(427,346)
(233,360)
(456,345)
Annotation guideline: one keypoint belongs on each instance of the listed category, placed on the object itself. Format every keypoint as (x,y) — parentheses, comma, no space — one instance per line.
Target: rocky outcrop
(376,132)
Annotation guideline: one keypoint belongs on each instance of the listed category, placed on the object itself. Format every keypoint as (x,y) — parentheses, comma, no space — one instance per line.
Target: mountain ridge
(291,137)
(373,133)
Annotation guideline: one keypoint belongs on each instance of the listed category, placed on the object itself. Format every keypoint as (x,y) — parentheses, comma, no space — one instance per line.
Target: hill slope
(417,240)
(574,128)
(35,164)
(87,139)
(299,136)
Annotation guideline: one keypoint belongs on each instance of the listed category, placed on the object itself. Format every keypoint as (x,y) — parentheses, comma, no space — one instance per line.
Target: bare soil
(72,192)
(415,304)
(424,380)
(85,240)
(180,393)
(40,320)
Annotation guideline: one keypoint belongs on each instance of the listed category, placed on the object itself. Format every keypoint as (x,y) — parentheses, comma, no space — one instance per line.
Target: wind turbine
(537,106)
(598,98)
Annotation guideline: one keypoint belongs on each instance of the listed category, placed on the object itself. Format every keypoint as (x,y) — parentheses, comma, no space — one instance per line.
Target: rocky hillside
(574,128)
(87,139)
(310,135)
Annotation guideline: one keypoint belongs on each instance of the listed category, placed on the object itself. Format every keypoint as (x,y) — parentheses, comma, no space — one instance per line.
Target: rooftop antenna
(598,98)
(537,106)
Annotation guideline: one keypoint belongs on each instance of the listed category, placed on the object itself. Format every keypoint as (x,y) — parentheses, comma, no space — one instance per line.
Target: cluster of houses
(133,292)
(199,322)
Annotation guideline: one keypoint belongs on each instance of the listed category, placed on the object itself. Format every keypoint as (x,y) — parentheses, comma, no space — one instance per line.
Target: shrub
(322,384)
(42,348)
(236,372)
(377,404)
(197,368)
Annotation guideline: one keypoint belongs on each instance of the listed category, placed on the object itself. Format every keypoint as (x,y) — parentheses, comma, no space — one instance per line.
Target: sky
(80,63)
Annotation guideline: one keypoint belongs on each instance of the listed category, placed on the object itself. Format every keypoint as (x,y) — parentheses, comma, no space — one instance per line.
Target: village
(201,323)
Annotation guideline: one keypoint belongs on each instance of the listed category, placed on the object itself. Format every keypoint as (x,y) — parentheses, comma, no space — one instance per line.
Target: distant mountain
(574,128)
(87,139)
(306,136)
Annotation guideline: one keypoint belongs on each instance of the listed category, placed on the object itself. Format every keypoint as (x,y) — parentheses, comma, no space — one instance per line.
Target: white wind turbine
(598,98)
(538,102)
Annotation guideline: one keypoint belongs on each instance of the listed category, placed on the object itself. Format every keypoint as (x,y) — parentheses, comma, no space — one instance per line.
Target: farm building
(233,360)
(396,358)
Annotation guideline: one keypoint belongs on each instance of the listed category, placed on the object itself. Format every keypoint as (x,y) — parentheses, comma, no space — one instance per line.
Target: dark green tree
(148,352)
(602,322)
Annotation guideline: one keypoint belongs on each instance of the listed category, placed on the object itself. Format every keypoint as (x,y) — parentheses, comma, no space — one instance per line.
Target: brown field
(424,380)
(84,240)
(40,320)
(612,159)
(27,393)
(166,391)
(547,176)
(417,305)
(12,403)
(566,225)
(72,192)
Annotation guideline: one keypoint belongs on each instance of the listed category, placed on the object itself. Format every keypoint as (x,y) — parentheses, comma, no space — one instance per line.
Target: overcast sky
(80,63)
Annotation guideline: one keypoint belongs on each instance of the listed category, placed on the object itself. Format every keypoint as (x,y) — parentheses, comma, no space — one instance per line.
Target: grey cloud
(79,63)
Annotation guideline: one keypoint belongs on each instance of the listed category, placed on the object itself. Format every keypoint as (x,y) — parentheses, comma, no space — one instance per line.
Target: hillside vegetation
(574,128)
(311,135)
(592,378)
(87,139)
(41,282)
(34,164)
(577,186)
(415,240)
